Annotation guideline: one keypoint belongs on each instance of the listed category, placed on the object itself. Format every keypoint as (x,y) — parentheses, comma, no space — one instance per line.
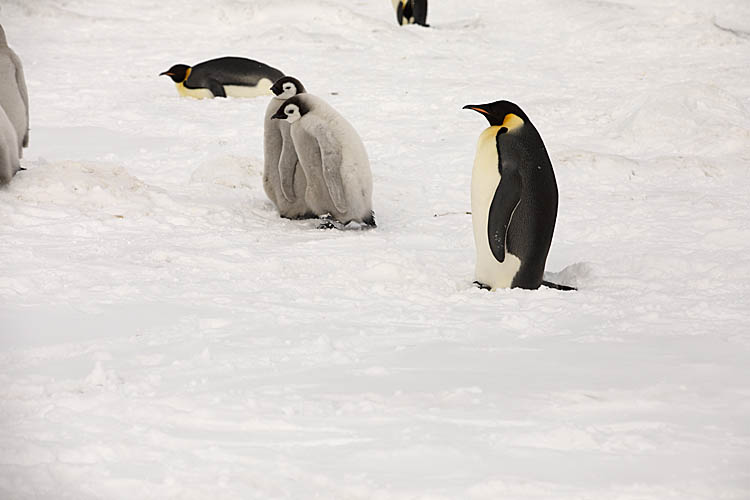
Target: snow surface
(164,335)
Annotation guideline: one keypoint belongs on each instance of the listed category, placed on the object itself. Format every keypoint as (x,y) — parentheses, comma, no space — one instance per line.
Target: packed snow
(165,335)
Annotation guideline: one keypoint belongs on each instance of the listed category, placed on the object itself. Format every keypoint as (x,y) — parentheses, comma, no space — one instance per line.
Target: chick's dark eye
(289,111)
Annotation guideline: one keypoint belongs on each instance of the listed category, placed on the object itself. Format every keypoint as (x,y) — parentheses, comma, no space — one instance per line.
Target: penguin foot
(327,224)
(482,286)
(555,286)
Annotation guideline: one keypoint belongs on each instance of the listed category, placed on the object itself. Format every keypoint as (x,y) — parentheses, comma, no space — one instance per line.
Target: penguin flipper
(21,83)
(504,203)
(332,158)
(216,88)
(288,162)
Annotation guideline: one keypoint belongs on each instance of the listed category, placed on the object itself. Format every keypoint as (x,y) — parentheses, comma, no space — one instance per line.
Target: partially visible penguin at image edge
(14,97)
(411,12)
(283,179)
(513,201)
(223,77)
(334,159)
(9,162)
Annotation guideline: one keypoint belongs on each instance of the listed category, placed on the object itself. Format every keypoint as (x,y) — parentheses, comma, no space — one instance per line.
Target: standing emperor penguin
(222,77)
(411,12)
(331,153)
(283,181)
(14,97)
(513,200)
(9,163)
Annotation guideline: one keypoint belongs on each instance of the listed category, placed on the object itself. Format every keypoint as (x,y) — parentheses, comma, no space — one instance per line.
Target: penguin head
(292,110)
(178,73)
(286,87)
(503,114)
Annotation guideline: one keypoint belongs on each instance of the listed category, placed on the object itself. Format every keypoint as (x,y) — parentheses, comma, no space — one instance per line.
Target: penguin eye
(289,111)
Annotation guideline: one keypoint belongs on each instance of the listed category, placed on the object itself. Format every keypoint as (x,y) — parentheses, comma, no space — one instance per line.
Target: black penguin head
(178,73)
(502,114)
(286,87)
(292,110)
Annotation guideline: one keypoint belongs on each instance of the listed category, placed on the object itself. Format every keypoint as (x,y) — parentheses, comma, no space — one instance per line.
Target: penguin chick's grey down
(513,200)
(283,179)
(331,153)
(224,77)
(9,163)
(14,96)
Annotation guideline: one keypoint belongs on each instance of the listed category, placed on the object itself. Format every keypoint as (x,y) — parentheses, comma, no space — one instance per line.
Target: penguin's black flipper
(400,13)
(566,288)
(504,203)
(216,88)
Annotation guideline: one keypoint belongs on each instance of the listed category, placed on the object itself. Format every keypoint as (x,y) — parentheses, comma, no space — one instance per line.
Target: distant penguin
(14,97)
(226,76)
(513,200)
(331,153)
(411,12)
(9,163)
(283,180)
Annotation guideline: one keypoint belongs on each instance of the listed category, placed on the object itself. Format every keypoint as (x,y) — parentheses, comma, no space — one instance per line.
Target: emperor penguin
(411,12)
(331,153)
(513,200)
(14,98)
(283,180)
(9,163)
(224,77)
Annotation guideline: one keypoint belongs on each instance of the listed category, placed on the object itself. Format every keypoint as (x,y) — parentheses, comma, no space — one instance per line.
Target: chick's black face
(287,84)
(178,72)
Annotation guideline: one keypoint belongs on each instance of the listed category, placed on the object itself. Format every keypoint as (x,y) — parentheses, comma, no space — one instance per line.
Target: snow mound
(85,185)
(230,171)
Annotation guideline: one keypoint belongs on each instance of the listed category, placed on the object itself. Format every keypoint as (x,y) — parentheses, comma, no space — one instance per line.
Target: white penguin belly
(485,178)
(263,88)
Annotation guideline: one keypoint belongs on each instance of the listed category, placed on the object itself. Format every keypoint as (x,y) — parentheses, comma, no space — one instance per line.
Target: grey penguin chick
(331,153)
(283,180)
(9,163)
(513,200)
(14,96)
(222,77)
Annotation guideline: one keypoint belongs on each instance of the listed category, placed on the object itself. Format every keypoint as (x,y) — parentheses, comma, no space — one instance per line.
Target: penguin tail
(566,288)
(370,220)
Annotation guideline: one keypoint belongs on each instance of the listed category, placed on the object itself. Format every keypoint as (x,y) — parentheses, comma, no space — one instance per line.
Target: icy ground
(164,335)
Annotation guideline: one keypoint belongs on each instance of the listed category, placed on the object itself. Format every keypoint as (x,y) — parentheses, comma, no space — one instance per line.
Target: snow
(163,334)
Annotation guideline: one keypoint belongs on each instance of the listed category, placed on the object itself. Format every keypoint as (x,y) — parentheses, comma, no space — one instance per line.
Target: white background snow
(164,335)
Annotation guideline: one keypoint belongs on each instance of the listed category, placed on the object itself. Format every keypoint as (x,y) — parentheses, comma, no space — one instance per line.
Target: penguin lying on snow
(339,181)
(14,97)
(411,12)
(513,201)
(226,76)
(284,183)
(9,163)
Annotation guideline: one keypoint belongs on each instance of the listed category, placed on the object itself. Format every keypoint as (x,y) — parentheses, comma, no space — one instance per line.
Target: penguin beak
(475,108)
(280,115)
(166,73)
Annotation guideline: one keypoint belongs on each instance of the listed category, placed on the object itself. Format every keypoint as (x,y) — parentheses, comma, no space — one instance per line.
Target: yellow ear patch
(187,73)
(512,122)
